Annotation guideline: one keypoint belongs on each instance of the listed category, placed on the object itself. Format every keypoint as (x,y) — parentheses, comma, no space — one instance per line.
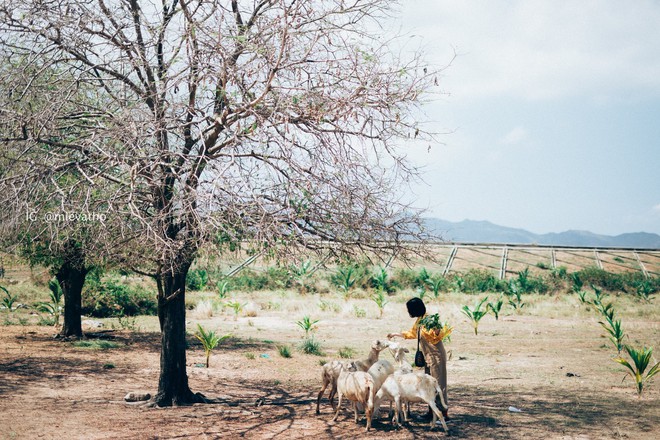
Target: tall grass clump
(284,351)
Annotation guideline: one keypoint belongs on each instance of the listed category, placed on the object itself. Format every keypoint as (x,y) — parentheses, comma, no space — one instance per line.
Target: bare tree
(50,213)
(277,122)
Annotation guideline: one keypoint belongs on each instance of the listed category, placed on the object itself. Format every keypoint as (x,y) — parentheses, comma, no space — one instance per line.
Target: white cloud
(543,49)
(656,208)
(515,136)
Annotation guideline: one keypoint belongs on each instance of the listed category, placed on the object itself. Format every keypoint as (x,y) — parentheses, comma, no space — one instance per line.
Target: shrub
(624,282)
(273,278)
(560,273)
(404,279)
(528,283)
(197,279)
(480,280)
(112,298)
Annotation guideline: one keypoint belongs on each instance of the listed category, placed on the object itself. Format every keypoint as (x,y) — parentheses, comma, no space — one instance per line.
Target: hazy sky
(553,108)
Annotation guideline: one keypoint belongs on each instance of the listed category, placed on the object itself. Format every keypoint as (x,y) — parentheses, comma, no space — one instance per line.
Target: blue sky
(552,113)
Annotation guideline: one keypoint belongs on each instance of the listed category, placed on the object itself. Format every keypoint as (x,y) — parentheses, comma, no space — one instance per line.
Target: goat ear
(405,350)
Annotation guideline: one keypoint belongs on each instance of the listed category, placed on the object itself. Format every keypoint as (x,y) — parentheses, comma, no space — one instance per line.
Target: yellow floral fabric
(431,336)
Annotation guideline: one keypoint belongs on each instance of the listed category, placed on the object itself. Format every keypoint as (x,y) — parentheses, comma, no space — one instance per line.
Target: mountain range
(471,231)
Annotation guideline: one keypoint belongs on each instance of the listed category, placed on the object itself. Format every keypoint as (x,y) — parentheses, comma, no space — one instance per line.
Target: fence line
(593,256)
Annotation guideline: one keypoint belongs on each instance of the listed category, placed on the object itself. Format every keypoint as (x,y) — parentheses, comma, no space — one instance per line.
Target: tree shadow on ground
(476,413)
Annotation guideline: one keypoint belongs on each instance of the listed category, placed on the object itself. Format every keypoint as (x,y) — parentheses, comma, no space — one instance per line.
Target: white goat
(332,369)
(358,387)
(412,387)
(402,367)
(379,371)
(399,355)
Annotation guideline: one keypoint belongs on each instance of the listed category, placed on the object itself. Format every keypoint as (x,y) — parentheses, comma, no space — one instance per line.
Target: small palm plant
(9,299)
(641,360)
(582,294)
(607,310)
(379,279)
(237,307)
(598,296)
(576,282)
(309,345)
(302,274)
(53,307)
(436,283)
(644,289)
(515,296)
(613,328)
(308,325)
(475,314)
(496,307)
(347,280)
(524,281)
(380,298)
(223,288)
(209,340)
(459,283)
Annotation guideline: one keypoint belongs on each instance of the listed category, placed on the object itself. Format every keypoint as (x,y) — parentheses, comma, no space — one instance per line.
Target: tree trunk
(71,276)
(173,386)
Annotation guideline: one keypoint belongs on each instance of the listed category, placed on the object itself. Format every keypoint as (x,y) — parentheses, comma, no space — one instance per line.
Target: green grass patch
(96,344)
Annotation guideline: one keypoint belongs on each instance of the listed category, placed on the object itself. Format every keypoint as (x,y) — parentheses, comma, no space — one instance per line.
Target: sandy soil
(550,362)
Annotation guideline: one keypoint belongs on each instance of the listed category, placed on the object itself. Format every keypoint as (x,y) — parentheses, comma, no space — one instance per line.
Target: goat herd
(369,382)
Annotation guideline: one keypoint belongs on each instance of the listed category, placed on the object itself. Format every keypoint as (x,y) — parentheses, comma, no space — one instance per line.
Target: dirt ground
(550,362)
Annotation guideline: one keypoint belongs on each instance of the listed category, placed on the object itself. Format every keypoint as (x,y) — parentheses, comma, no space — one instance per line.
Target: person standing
(430,343)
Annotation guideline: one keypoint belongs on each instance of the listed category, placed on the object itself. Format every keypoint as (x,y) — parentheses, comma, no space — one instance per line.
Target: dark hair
(416,307)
